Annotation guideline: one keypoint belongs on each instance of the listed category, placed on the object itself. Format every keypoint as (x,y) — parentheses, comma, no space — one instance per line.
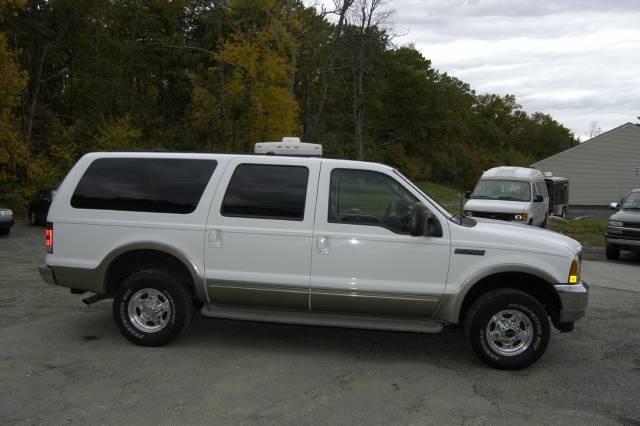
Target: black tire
(544,224)
(564,213)
(612,253)
(165,288)
(479,320)
(33,220)
(5,231)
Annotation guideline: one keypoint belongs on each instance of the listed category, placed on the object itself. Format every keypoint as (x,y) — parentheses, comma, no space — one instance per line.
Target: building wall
(600,170)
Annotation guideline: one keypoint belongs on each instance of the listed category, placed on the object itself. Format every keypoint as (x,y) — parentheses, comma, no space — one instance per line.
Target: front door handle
(322,245)
(215,238)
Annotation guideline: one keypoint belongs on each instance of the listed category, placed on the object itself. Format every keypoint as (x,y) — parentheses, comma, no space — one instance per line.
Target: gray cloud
(577,60)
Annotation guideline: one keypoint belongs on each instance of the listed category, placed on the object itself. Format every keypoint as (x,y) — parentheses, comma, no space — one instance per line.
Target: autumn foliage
(211,76)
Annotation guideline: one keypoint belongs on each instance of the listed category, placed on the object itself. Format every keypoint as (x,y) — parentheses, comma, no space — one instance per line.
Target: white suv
(305,241)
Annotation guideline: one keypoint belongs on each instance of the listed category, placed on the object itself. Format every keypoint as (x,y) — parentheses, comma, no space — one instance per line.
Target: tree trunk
(292,73)
(36,90)
(328,71)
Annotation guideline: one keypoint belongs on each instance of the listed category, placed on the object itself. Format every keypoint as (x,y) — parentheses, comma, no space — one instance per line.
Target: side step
(423,325)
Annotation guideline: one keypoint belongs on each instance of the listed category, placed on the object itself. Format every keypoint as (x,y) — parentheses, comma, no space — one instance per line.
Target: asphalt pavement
(64,362)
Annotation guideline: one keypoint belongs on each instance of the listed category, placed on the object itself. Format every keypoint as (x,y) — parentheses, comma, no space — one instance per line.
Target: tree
(14,153)
(594,129)
(364,40)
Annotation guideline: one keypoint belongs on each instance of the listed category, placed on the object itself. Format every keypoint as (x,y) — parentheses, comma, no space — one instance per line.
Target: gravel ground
(64,362)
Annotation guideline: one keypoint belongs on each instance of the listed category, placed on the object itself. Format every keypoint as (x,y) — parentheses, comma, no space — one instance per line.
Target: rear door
(259,232)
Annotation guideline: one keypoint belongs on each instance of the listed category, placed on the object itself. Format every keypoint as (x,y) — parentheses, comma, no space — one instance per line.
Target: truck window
(361,197)
(157,185)
(265,191)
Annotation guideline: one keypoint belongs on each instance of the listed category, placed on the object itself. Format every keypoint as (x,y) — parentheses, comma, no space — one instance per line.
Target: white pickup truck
(306,241)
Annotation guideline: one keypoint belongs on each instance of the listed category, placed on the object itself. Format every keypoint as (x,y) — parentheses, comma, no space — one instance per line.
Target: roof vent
(289,146)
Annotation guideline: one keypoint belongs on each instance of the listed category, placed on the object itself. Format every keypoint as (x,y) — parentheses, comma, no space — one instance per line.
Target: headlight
(521,216)
(6,212)
(468,213)
(616,223)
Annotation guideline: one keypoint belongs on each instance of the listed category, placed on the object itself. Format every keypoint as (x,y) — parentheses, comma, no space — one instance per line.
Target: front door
(258,234)
(364,260)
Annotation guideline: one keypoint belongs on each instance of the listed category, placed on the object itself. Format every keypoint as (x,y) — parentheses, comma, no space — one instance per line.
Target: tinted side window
(158,185)
(361,197)
(265,191)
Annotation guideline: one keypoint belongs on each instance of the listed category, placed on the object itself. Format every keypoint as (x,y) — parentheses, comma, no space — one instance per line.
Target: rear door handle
(322,245)
(215,238)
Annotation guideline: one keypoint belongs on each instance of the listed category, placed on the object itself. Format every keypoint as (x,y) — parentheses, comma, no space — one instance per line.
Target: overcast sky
(577,60)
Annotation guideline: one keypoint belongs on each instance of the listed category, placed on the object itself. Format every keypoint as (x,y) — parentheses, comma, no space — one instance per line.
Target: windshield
(631,201)
(509,190)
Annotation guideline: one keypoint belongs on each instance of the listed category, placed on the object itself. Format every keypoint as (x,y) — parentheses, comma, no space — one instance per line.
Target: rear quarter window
(266,191)
(155,185)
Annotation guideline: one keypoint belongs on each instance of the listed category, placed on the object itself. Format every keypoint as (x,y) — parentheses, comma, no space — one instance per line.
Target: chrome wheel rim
(509,332)
(149,310)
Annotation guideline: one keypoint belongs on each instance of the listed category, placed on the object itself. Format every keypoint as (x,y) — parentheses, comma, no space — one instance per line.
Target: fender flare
(451,303)
(196,275)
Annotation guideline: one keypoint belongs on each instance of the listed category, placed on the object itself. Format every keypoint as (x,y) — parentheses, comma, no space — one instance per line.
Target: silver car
(6,220)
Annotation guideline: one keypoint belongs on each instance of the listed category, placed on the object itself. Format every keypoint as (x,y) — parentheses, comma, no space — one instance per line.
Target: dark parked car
(623,229)
(6,220)
(39,206)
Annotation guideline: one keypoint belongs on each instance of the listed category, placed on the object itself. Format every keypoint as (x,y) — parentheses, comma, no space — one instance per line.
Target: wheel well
(535,286)
(137,260)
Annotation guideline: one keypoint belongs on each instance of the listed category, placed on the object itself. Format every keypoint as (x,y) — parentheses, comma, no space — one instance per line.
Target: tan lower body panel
(373,302)
(255,294)
(327,300)
(78,278)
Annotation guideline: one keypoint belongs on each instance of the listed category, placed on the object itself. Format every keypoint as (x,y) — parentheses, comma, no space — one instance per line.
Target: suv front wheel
(508,329)
(153,308)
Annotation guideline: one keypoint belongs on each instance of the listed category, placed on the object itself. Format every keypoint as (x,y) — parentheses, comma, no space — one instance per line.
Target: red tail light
(48,237)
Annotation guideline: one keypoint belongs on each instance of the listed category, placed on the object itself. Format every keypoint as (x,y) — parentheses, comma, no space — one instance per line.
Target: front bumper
(574,299)
(47,274)
(6,222)
(622,241)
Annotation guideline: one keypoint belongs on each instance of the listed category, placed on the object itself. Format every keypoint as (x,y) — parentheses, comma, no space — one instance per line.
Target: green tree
(14,153)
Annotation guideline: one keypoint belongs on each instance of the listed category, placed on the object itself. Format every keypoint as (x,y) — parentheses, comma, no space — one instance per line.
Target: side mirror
(539,198)
(467,194)
(423,223)
(614,206)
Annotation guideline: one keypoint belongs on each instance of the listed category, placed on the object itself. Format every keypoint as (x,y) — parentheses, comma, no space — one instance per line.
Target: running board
(424,325)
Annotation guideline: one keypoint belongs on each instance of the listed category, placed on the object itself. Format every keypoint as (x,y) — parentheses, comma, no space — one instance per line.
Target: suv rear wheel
(153,308)
(507,329)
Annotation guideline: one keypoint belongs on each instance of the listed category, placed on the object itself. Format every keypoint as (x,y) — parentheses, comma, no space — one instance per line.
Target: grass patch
(589,233)
(448,197)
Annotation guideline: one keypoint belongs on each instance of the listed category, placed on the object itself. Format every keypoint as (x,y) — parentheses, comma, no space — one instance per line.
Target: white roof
(517,173)
(275,159)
